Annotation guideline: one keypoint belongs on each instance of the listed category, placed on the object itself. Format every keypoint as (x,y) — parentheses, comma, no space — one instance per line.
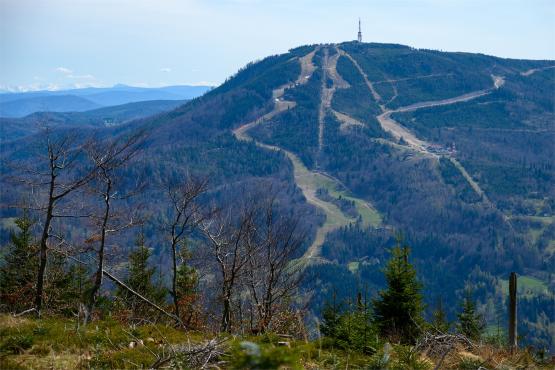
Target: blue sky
(76,43)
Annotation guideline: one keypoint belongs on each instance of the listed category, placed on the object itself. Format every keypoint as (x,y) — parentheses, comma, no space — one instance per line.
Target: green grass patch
(527,286)
(353,266)
(60,343)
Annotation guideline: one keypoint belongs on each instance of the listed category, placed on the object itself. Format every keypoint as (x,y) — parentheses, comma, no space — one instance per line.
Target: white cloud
(30,87)
(69,74)
(165,69)
(64,70)
(81,77)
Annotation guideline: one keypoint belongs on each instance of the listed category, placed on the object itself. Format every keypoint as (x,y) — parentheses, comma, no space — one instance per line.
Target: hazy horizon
(62,44)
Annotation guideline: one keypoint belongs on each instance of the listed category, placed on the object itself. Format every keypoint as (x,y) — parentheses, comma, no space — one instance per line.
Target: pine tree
(18,268)
(140,280)
(471,324)
(66,285)
(439,318)
(398,309)
(349,329)
(330,319)
(186,287)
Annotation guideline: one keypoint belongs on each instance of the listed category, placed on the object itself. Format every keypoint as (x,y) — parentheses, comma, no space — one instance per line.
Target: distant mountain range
(80,100)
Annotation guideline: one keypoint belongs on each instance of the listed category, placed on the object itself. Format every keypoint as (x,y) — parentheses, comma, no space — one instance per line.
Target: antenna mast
(359,32)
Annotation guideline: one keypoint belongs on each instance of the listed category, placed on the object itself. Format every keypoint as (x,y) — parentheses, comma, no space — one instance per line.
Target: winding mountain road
(398,131)
(534,70)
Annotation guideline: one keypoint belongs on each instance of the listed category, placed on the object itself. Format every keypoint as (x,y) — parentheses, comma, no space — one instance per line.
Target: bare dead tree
(227,237)
(53,176)
(272,275)
(107,158)
(184,216)
(253,250)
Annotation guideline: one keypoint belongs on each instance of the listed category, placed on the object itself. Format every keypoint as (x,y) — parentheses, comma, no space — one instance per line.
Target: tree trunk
(174,280)
(512,312)
(226,315)
(44,248)
(100,269)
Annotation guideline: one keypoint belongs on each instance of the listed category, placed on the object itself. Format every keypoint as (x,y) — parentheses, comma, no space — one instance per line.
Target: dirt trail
(473,184)
(346,121)
(375,94)
(534,70)
(497,83)
(399,131)
(280,105)
(413,78)
(329,70)
(308,181)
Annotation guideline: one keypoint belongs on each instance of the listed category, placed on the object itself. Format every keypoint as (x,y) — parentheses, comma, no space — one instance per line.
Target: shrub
(249,355)
(409,359)
(16,344)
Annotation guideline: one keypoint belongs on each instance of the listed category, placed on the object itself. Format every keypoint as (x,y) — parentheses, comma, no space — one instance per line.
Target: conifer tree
(330,319)
(186,286)
(439,318)
(471,323)
(398,309)
(66,285)
(18,268)
(140,280)
(350,328)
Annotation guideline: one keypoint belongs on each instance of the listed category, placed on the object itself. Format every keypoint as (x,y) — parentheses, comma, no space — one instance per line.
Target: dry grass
(489,357)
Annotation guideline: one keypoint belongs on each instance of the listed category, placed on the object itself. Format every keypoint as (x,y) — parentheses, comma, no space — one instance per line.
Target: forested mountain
(16,128)
(453,150)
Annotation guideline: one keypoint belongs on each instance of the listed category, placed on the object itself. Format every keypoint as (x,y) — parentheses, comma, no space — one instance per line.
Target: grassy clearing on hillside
(370,216)
(527,286)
